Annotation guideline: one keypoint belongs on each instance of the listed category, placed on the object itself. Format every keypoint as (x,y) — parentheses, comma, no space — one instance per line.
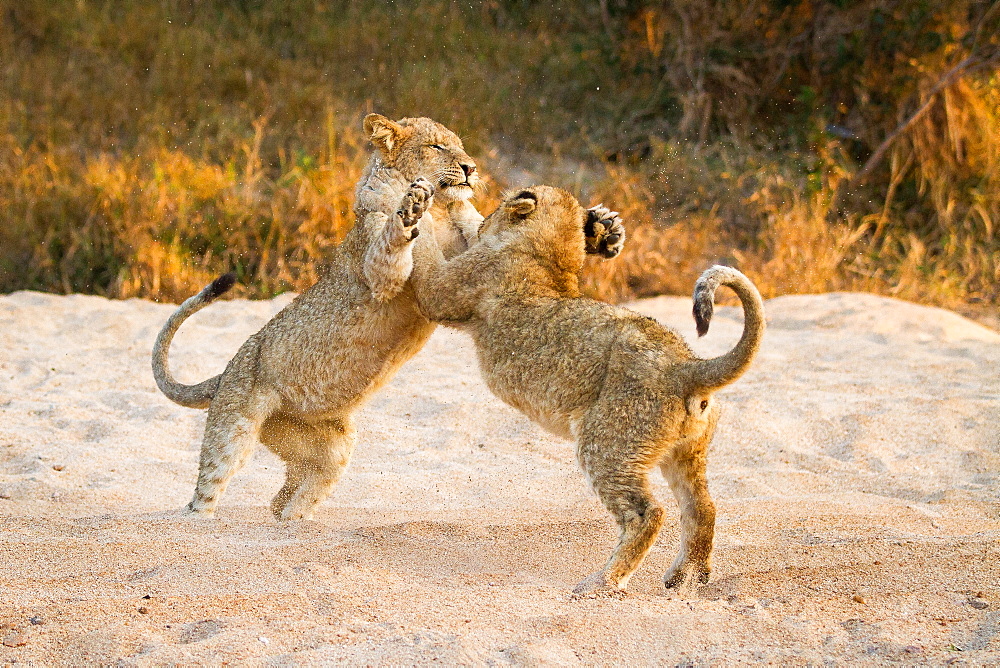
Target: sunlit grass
(147,147)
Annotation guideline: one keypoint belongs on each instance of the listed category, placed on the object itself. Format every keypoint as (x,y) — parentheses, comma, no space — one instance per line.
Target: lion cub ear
(522,204)
(383,133)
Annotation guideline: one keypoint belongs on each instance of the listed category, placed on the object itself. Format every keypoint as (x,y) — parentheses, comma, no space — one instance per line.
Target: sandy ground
(855,471)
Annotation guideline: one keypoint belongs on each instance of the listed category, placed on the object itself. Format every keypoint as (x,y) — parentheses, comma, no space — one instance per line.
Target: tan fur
(296,383)
(627,389)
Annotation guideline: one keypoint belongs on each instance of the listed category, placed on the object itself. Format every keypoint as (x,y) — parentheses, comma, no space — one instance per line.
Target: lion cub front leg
(415,202)
(605,233)
(389,259)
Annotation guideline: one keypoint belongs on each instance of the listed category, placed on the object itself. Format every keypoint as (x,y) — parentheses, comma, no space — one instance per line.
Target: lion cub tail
(718,372)
(191,396)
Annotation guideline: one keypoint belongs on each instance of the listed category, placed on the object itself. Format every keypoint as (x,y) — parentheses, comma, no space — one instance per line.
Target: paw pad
(415,202)
(605,233)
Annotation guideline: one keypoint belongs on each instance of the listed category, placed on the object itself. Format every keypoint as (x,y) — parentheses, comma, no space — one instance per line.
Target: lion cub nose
(468,168)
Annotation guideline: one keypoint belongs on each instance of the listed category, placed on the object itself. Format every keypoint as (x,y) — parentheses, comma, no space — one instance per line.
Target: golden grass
(147,147)
(160,223)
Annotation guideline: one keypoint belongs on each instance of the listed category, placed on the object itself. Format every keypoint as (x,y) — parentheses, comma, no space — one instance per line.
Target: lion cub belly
(335,357)
(548,361)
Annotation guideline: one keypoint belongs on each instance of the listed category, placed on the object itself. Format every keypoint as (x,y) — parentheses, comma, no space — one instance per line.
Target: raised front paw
(604,231)
(413,205)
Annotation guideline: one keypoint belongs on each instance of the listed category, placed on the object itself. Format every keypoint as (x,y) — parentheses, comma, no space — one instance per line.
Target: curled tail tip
(220,286)
(702,315)
(704,299)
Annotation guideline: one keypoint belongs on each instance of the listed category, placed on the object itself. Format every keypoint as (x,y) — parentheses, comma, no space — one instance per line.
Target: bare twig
(950,77)
(973,61)
(606,20)
(897,178)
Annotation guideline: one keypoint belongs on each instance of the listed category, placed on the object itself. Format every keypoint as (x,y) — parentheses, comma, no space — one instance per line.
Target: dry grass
(145,148)
(161,223)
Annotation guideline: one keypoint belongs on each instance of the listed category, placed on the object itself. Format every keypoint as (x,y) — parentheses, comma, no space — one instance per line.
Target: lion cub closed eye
(628,390)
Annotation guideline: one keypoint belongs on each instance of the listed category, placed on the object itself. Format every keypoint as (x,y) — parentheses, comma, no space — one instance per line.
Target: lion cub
(627,389)
(295,385)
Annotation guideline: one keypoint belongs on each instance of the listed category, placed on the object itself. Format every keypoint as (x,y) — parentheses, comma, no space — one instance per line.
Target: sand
(855,471)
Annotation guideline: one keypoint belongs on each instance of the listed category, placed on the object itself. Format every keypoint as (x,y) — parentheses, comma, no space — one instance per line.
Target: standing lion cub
(295,384)
(627,389)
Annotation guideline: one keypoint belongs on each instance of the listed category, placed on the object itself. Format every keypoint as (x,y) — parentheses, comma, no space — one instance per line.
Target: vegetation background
(818,145)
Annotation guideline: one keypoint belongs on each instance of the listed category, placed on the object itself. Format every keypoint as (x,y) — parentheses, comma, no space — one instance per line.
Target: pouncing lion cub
(295,384)
(628,390)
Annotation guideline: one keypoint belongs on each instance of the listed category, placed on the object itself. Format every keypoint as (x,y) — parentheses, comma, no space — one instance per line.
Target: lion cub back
(542,347)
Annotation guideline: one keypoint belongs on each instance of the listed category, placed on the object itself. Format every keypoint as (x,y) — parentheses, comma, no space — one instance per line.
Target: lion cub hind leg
(230,437)
(685,473)
(315,456)
(622,485)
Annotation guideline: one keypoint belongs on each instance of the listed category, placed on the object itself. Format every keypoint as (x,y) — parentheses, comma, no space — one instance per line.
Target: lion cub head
(422,147)
(539,232)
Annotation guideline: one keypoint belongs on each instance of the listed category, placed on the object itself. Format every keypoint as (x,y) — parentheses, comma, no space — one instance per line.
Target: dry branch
(949,78)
